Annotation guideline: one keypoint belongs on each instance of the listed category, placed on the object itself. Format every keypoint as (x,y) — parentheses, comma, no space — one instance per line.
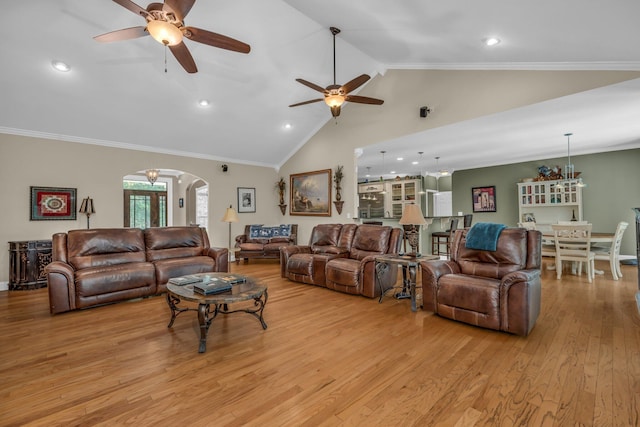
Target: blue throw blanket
(484,236)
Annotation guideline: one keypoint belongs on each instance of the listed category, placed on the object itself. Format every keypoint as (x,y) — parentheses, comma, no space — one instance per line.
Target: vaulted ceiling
(119,94)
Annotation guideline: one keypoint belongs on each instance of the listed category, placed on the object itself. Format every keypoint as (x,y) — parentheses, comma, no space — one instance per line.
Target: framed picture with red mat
(52,203)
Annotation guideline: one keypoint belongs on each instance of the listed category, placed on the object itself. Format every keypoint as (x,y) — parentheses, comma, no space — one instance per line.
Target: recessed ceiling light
(60,66)
(392,171)
(414,162)
(287,126)
(203,103)
(400,159)
(491,41)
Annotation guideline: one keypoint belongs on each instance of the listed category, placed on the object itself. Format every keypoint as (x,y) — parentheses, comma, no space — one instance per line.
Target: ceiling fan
(335,95)
(165,23)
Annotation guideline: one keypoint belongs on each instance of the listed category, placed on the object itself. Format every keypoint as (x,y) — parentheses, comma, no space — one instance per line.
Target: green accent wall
(613,189)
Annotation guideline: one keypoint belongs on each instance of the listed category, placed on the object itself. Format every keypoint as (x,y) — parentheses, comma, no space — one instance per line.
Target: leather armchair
(492,289)
(356,274)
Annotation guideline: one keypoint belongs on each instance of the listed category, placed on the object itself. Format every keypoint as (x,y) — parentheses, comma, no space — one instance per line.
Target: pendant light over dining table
(569,170)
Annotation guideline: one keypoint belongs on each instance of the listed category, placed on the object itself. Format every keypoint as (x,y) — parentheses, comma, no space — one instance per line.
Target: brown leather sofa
(260,242)
(341,257)
(492,289)
(100,266)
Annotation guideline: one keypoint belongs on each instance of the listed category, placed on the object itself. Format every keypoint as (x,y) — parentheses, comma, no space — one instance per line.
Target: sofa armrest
(293,239)
(241,239)
(431,273)
(221,257)
(285,254)
(520,296)
(61,287)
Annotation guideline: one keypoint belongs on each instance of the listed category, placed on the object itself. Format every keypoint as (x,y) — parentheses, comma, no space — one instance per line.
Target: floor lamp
(230,216)
(412,215)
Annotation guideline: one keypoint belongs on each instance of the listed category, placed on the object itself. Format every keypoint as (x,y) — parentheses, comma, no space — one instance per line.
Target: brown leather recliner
(342,257)
(492,289)
(356,273)
(306,264)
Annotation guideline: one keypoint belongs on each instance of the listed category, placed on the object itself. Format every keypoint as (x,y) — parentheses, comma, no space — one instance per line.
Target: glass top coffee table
(243,288)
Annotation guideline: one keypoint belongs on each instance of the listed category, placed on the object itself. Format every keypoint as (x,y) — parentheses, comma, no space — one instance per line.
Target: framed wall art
(52,203)
(310,193)
(246,200)
(484,199)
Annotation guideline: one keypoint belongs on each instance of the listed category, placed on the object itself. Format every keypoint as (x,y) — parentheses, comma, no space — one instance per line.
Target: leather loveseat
(492,289)
(264,242)
(100,266)
(341,257)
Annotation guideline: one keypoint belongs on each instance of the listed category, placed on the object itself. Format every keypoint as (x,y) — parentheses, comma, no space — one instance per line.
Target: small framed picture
(51,203)
(246,200)
(528,217)
(484,199)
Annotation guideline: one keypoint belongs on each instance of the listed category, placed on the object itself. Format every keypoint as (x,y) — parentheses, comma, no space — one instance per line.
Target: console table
(27,260)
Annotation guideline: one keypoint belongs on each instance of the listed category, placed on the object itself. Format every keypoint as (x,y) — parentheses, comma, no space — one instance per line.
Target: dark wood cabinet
(27,261)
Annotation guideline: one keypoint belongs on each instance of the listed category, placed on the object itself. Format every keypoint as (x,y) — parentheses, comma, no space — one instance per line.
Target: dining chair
(548,248)
(612,253)
(443,238)
(573,243)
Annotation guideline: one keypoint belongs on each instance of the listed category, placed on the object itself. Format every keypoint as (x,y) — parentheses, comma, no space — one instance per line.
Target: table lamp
(87,208)
(412,215)
(230,216)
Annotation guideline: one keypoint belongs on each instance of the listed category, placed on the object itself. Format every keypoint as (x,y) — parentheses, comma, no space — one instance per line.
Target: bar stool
(440,238)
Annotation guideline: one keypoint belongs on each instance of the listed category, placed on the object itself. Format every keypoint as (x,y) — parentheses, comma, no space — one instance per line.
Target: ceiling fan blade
(355,83)
(182,54)
(311,85)
(128,4)
(180,7)
(125,34)
(307,102)
(363,100)
(216,40)
(335,111)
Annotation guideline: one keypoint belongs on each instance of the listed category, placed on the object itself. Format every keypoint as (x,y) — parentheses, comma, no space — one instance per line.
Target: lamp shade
(87,206)
(230,215)
(412,215)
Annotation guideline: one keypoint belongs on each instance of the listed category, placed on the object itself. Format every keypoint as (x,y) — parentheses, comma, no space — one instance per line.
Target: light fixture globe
(334,98)
(164,32)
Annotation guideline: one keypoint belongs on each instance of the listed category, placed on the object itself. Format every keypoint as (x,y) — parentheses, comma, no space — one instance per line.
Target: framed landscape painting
(52,203)
(246,200)
(311,193)
(484,199)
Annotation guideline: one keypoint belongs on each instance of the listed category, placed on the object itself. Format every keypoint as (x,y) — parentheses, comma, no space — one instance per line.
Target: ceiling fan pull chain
(165,59)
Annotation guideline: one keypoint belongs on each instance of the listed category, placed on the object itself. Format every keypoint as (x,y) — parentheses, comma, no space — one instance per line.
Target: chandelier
(152,175)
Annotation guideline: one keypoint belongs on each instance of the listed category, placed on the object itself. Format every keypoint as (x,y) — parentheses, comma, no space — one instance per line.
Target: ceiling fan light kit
(165,23)
(335,95)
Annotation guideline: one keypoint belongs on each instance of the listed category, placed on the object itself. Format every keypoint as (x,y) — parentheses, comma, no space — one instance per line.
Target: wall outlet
(4,286)
(348,215)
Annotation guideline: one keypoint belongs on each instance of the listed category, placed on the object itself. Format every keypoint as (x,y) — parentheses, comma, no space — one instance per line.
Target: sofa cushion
(104,247)
(344,271)
(325,235)
(175,267)
(108,279)
(275,246)
(173,242)
(474,300)
(251,246)
(370,240)
(511,255)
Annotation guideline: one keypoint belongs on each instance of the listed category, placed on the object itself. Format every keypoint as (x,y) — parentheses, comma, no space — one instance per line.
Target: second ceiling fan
(336,95)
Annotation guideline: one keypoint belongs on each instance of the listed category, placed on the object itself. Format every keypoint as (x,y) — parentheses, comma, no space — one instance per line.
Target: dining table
(597,239)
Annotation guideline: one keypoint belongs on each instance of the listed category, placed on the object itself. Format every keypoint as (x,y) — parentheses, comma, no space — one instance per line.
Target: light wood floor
(326,359)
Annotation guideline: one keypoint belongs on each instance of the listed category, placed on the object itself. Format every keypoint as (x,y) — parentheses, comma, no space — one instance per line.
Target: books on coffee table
(212,288)
(185,280)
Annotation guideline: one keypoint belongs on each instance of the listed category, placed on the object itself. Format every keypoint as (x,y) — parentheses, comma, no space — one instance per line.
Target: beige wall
(454,95)
(97,171)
